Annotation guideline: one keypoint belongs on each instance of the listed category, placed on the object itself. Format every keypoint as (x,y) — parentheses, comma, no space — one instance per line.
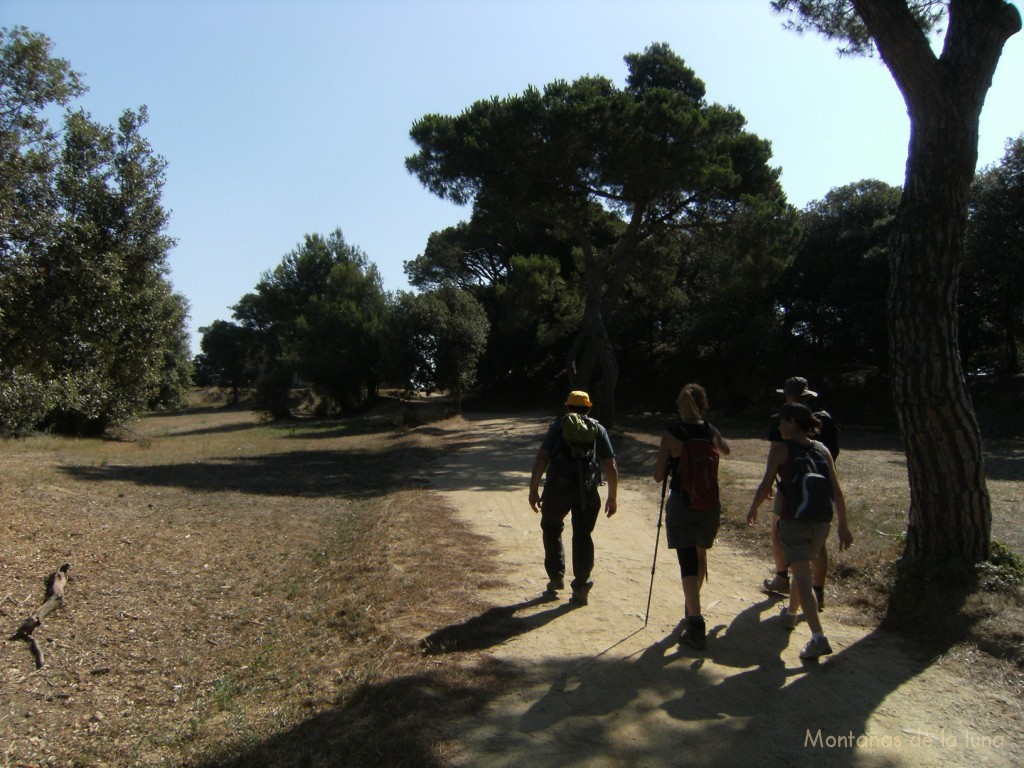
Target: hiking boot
(555,585)
(818,646)
(778,585)
(789,619)
(580,597)
(580,591)
(695,634)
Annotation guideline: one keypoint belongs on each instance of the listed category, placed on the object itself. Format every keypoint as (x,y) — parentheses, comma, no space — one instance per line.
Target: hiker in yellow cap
(574,453)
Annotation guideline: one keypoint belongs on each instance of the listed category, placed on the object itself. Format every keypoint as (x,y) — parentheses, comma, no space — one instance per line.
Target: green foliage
(436,339)
(24,401)
(538,301)
(714,315)
(833,293)
(491,257)
(992,289)
(30,81)
(338,336)
(551,153)
(318,317)
(1003,571)
(229,355)
(838,20)
(174,369)
(84,296)
(604,170)
(467,255)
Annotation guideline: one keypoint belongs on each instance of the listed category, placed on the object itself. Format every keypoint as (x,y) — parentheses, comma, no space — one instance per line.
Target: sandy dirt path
(600,689)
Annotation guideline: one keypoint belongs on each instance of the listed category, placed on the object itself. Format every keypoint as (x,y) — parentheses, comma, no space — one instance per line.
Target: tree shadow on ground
(394,723)
(747,706)
(196,410)
(222,429)
(308,474)
(479,458)
(305,429)
(765,711)
(329,430)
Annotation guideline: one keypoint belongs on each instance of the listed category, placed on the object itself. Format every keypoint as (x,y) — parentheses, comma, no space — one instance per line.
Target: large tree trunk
(950,515)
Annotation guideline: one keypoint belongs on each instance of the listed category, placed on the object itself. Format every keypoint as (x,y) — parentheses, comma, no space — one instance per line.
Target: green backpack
(579,434)
(575,459)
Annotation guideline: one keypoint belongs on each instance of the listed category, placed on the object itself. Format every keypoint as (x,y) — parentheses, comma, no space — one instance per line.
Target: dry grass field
(250,593)
(229,580)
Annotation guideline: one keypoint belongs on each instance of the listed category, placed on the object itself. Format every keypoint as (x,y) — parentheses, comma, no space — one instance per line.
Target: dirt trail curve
(602,690)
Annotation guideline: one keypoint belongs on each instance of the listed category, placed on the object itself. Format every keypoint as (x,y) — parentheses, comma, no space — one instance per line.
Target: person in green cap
(575,453)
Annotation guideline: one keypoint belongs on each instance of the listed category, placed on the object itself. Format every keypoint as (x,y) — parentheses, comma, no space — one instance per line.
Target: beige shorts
(802,540)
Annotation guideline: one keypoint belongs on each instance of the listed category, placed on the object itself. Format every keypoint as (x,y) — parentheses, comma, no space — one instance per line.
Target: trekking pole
(657,539)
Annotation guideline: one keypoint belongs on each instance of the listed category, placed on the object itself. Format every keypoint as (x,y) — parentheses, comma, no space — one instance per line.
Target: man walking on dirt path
(574,453)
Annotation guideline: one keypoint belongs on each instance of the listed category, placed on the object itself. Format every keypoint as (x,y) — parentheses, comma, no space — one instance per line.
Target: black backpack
(808,494)
(828,434)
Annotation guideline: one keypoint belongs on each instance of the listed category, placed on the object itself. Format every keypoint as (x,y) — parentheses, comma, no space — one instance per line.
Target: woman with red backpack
(688,454)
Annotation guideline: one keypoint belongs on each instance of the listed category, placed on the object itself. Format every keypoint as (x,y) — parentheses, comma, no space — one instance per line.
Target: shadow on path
(737,700)
(733,701)
(493,627)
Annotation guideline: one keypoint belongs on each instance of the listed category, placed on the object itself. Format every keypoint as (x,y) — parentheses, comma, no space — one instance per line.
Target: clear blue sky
(280,118)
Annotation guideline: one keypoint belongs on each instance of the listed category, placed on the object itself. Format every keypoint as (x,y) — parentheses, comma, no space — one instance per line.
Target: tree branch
(54,600)
(903,46)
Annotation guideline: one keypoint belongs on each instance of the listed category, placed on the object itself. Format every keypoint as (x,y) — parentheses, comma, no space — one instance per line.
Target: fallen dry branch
(54,600)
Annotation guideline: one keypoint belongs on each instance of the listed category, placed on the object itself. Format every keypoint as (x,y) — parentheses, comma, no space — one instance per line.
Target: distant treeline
(689,312)
(625,240)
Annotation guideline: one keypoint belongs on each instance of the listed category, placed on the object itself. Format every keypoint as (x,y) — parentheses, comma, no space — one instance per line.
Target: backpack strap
(820,449)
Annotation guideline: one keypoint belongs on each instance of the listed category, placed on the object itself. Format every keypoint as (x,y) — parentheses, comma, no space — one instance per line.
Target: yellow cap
(579,397)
